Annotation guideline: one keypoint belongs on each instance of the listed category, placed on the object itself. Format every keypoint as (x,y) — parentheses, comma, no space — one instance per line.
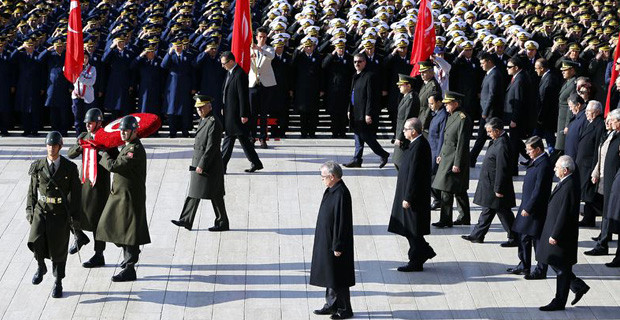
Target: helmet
(53,138)
(93,115)
(128,123)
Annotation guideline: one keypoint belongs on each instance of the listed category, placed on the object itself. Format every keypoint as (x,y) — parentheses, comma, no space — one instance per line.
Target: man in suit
(576,125)
(569,87)
(491,101)
(517,110)
(364,113)
(408,107)
(207,170)
(179,88)
(123,220)
(54,191)
(262,81)
(607,169)
(533,209)
(495,192)
(338,69)
(591,138)
(558,245)
(435,139)
(452,177)
(411,212)
(548,97)
(430,87)
(236,112)
(332,254)
(281,65)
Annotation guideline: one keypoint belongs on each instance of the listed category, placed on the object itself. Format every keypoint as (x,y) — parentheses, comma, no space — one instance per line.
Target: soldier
(178,88)
(408,107)
(123,221)
(452,177)
(94,192)
(52,207)
(569,87)
(207,178)
(57,99)
(430,87)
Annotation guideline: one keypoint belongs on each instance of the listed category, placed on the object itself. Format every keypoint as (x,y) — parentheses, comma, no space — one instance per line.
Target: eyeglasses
(405,129)
(225,63)
(509,67)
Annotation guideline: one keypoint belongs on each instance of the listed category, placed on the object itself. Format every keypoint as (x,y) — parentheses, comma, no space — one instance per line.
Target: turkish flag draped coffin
(109,136)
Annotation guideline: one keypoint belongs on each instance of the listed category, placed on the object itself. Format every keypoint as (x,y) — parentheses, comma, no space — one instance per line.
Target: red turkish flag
(614,75)
(423,37)
(74,57)
(242,34)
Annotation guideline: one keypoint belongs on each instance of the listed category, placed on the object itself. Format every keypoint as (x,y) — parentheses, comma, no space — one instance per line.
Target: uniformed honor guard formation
(540,78)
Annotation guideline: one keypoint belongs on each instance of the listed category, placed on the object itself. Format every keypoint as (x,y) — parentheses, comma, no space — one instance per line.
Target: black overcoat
(591,138)
(495,176)
(307,77)
(613,209)
(365,97)
(334,232)
(207,155)
(492,93)
(576,125)
(534,197)
(548,97)
(414,186)
(562,224)
(236,102)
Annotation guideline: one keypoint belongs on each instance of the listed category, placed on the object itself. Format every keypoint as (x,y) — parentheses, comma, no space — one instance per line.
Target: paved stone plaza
(260,269)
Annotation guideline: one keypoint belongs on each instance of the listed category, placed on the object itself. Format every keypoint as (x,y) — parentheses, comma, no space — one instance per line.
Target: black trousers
(338,299)
(419,250)
(605,236)
(188,214)
(566,281)
(31,121)
(517,146)
(60,119)
(339,121)
(79,108)
(40,251)
(526,242)
(178,123)
(260,100)
(593,209)
(481,139)
(309,121)
(486,218)
(462,202)
(131,254)
(248,149)
(82,237)
(5,121)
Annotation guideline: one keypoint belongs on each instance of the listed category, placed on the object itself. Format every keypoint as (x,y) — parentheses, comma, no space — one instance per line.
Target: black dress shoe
(472,239)
(95,261)
(535,276)
(353,164)
(255,167)
(551,307)
(383,162)
(459,222)
(615,263)
(597,252)
(78,244)
(57,290)
(411,267)
(441,225)
(219,228)
(579,294)
(263,144)
(324,311)
(509,244)
(123,264)
(127,274)
(342,315)
(597,238)
(436,205)
(180,223)
(518,271)
(38,276)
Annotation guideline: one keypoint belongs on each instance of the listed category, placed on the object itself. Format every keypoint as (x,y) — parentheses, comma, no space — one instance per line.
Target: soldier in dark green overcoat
(52,205)
(123,221)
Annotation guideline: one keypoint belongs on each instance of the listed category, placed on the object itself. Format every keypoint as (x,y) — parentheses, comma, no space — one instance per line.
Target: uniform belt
(50,200)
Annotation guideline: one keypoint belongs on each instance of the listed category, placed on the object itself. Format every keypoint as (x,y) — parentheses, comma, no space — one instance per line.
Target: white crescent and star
(74,5)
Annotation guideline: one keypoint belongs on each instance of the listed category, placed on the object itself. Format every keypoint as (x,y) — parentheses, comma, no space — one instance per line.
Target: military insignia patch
(130,155)
(462,115)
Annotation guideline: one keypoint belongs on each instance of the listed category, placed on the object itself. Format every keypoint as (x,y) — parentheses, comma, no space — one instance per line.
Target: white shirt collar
(568,175)
(56,162)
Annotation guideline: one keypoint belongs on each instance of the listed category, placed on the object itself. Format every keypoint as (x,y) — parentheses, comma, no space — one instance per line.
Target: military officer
(53,204)
(95,192)
(123,220)
(452,177)
(207,177)
(429,88)
(408,107)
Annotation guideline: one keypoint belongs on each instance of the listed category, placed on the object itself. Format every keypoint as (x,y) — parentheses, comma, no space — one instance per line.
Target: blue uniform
(28,90)
(150,84)
(211,76)
(119,81)
(58,90)
(6,83)
(177,91)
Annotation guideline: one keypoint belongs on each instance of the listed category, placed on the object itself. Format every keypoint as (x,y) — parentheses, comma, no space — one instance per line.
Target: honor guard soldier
(52,207)
(95,192)
(123,221)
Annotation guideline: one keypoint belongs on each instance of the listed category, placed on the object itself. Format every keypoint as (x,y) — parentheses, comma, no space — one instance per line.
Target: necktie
(52,168)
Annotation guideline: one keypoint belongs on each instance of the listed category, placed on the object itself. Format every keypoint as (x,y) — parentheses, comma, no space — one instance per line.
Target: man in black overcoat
(491,101)
(364,113)
(307,84)
(548,97)
(236,113)
(575,126)
(533,209)
(518,109)
(558,245)
(411,212)
(332,255)
(207,169)
(591,138)
(495,192)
